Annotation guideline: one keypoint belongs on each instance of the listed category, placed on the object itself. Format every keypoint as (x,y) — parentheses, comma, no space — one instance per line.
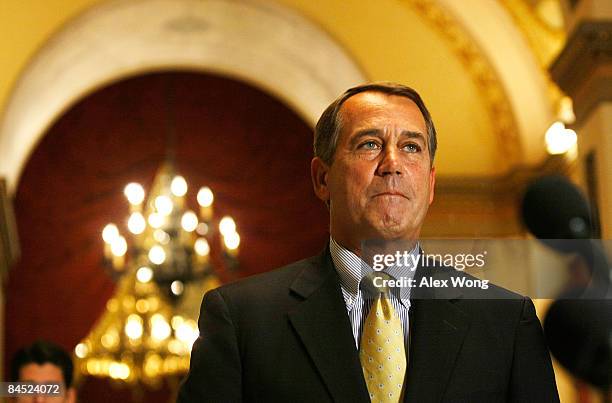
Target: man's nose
(390,163)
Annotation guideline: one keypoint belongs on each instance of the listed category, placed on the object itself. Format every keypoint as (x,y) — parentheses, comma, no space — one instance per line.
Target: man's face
(45,373)
(380,183)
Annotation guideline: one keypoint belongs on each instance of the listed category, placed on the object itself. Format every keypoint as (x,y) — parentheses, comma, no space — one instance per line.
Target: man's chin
(392,231)
(394,236)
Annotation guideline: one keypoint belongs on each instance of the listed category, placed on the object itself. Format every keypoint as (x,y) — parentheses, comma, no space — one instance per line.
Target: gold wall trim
(484,76)
(483,206)
(545,41)
(512,183)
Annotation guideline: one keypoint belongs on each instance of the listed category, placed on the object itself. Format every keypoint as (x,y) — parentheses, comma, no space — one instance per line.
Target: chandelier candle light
(167,237)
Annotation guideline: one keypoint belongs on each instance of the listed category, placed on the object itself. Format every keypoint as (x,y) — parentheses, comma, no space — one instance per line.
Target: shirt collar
(351,270)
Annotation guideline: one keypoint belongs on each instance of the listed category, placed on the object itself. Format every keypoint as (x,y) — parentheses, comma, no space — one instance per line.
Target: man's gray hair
(329,125)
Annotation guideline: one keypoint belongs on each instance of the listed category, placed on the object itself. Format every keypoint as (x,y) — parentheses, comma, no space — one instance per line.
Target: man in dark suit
(309,332)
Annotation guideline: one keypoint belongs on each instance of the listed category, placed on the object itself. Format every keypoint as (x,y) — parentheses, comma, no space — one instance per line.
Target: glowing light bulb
(205,197)
(560,140)
(155,220)
(81,350)
(119,246)
(144,274)
(201,247)
(227,225)
(117,370)
(189,221)
(109,233)
(177,287)
(160,329)
(125,372)
(134,193)
(157,255)
(232,240)
(187,332)
(136,223)
(164,205)
(554,129)
(114,370)
(133,327)
(178,186)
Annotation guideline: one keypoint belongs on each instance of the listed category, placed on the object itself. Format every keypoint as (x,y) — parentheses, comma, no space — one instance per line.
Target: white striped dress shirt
(351,270)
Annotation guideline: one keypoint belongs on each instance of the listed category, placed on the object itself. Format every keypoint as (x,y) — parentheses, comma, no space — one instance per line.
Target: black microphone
(578,326)
(554,210)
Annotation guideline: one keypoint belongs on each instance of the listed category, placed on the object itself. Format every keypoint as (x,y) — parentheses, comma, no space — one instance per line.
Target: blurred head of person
(44,362)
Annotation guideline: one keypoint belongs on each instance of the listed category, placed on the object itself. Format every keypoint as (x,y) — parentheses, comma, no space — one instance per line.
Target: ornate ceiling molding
(584,68)
(483,74)
(265,44)
(545,41)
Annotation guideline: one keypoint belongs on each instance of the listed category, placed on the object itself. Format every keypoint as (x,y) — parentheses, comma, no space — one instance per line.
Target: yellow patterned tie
(382,353)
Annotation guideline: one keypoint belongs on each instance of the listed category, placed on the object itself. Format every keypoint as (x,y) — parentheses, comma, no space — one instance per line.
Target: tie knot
(374,284)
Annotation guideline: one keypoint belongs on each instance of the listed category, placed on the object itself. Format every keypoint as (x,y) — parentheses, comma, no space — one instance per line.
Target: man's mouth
(391,194)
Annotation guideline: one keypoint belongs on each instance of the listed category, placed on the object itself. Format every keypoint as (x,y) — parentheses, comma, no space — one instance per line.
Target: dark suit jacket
(285,336)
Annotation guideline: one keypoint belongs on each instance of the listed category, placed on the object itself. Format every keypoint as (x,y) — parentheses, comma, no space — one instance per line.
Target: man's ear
(318,173)
(432,184)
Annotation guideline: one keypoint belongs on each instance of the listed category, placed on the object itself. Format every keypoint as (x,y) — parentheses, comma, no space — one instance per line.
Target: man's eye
(369,145)
(412,148)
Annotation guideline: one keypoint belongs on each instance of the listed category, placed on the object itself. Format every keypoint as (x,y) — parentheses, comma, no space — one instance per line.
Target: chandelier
(170,242)
(143,336)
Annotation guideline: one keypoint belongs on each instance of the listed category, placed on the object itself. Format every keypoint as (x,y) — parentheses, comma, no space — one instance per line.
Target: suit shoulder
(475,288)
(272,281)
(498,303)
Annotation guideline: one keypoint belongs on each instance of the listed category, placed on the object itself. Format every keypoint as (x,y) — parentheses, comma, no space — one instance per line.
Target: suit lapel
(438,328)
(322,323)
